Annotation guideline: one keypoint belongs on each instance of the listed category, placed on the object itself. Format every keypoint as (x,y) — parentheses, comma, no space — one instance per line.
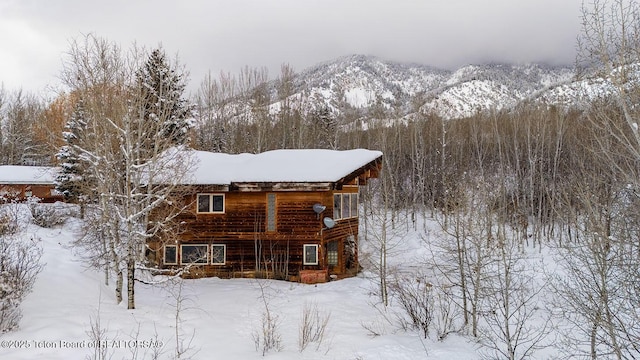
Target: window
(211,203)
(354,205)
(218,254)
(171,255)
(310,255)
(194,254)
(332,253)
(337,206)
(345,205)
(271,212)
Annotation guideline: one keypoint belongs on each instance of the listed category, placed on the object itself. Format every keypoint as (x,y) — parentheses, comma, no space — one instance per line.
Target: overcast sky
(225,35)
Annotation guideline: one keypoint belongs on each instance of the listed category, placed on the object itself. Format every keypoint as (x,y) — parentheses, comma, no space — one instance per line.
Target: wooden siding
(21,192)
(243,229)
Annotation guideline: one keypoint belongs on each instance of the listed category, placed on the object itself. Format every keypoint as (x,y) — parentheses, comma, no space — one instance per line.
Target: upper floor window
(345,205)
(211,203)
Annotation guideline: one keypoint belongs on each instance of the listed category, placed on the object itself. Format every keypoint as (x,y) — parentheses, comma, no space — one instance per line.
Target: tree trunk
(119,281)
(131,269)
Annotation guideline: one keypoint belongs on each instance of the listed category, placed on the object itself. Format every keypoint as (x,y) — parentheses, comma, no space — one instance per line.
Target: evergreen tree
(160,88)
(326,126)
(70,178)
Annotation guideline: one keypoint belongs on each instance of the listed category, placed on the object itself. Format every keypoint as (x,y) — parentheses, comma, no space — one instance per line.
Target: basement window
(310,254)
(210,203)
(194,254)
(170,255)
(218,254)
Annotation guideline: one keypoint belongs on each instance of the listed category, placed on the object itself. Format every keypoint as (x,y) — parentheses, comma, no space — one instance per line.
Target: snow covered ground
(220,316)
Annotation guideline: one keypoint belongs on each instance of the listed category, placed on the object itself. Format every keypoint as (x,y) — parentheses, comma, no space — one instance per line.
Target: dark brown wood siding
(249,245)
(251,249)
(21,192)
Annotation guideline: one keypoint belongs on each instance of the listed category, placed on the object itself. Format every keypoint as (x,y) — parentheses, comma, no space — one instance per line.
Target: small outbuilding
(284,214)
(20,183)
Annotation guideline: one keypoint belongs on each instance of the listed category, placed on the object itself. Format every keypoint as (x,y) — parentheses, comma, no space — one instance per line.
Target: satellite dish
(329,222)
(318,208)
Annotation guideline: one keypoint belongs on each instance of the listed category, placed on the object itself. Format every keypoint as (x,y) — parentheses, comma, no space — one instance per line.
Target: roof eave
(281,186)
(363,174)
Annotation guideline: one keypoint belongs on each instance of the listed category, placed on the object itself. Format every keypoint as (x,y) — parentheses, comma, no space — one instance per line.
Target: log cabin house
(21,183)
(283,214)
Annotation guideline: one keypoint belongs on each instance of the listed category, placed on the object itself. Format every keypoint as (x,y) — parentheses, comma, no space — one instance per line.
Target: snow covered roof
(277,166)
(34,175)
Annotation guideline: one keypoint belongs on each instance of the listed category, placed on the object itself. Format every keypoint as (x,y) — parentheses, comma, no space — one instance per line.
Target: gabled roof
(27,175)
(278,166)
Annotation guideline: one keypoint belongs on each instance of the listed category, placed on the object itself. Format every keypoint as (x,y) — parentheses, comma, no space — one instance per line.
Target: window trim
(164,255)
(211,196)
(206,262)
(304,254)
(224,254)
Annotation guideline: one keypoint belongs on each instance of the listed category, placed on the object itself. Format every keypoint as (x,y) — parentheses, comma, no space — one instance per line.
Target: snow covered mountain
(368,87)
(363,83)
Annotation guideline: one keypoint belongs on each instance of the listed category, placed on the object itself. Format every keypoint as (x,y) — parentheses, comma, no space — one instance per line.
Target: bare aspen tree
(130,155)
(94,70)
(288,126)
(214,112)
(17,144)
(609,46)
(516,324)
(253,85)
(601,262)
(465,262)
(601,270)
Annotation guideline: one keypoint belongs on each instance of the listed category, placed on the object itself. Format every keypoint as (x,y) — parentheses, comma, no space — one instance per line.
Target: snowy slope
(364,82)
(387,91)
(221,315)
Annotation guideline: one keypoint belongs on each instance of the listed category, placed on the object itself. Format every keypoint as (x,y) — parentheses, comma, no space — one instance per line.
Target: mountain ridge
(363,82)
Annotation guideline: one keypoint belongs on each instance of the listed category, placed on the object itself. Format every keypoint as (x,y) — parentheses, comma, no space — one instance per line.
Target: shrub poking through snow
(9,223)
(47,215)
(267,337)
(415,296)
(19,266)
(313,325)
(7,226)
